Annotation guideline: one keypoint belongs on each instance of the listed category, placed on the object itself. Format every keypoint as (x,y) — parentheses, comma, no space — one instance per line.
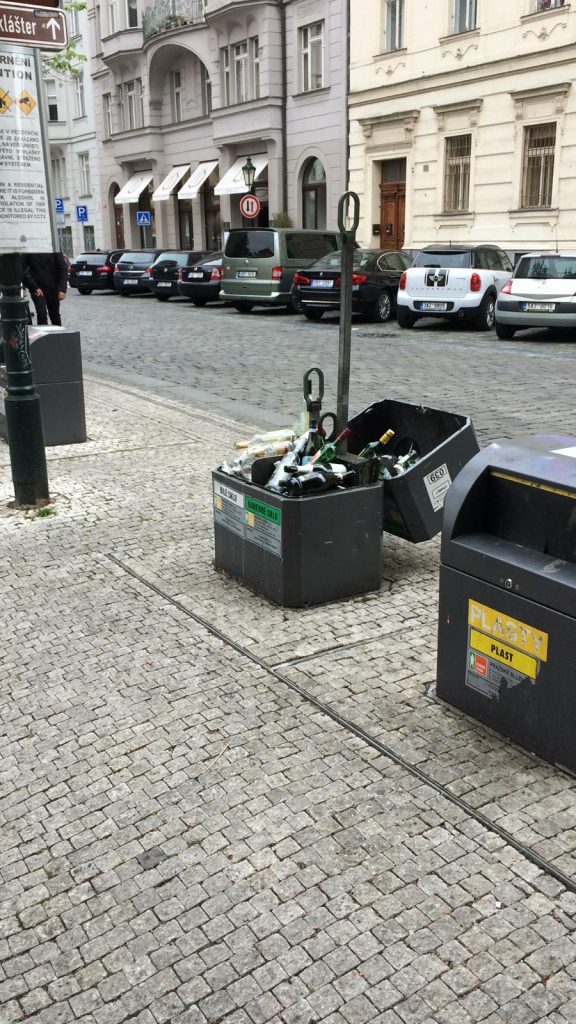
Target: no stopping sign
(249,206)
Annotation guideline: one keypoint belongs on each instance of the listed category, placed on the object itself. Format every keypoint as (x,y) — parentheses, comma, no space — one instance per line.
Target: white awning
(192,187)
(233,181)
(133,188)
(167,186)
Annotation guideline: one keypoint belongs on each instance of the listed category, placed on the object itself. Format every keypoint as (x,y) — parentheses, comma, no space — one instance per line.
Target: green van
(259,263)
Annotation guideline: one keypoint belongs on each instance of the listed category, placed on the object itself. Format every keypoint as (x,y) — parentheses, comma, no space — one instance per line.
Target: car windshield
(453,258)
(334,260)
(137,257)
(93,258)
(547,267)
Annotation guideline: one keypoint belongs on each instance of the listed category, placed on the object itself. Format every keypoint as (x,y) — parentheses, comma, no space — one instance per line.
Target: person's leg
(53,303)
(41,309)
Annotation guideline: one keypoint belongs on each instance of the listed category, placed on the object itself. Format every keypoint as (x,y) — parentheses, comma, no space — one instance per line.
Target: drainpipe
(281,4)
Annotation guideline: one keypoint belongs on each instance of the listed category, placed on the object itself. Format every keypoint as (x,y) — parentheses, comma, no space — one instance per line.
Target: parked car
(131,273)
(260,263)
(94,271)
(375,278)
(201,282)
(164,271)
(453,282)
(540,293)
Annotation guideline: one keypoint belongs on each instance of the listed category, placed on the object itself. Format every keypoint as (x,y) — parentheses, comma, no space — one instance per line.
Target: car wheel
(504,331)
(162,298)
(485,317)
(295,304)
(382,309)
(85,291)
(312,314)
(405,317)
(243,307)
(199,302)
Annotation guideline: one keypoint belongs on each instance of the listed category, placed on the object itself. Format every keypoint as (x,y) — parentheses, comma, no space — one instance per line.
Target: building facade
(463,122)
(186,90)
(73,150)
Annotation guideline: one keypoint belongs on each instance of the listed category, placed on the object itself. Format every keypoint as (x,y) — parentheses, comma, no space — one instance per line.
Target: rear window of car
(171,259)
(95,259)
(546,267)
(430,258)
(308,246)
(258,245)
(137,257)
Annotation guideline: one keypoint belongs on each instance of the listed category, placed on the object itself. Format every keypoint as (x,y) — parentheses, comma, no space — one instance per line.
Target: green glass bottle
(376,447)
(329,453)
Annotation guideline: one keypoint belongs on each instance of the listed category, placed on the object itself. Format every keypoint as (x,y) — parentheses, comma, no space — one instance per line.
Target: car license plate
(246,273)
(128,280)
(84,273)
(538,307)
(197,276)
(163,284)
(317,283)
(436,307)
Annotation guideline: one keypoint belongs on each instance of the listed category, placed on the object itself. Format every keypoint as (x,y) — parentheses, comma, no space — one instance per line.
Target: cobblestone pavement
(187,839)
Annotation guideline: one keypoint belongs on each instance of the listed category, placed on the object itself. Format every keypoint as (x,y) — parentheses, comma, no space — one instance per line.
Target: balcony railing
(167,14)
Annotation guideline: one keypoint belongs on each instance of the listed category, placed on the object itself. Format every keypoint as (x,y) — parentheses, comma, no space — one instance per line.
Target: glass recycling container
(507,615)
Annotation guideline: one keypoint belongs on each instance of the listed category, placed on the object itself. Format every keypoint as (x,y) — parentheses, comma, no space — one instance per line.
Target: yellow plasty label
(511,631)
(516,660)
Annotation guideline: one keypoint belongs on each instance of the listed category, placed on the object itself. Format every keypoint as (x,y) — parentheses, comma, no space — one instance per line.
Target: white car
(453,282)
(541,293)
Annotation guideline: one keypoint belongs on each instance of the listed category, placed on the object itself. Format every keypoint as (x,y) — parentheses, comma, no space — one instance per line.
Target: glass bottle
(329,452)
(377,447)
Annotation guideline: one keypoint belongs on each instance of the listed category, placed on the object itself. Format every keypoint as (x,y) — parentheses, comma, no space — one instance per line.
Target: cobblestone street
(217,810)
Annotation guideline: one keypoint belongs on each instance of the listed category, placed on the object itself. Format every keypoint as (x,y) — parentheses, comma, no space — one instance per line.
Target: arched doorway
(314,194)
(117,213)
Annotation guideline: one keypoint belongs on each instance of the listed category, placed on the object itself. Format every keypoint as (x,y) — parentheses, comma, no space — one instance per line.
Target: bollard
(348,238)
(22,403)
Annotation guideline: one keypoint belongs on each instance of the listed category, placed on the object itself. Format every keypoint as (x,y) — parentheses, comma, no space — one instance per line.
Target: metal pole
(348,237)
(22,402)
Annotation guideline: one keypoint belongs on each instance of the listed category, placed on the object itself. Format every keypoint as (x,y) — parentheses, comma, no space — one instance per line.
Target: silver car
(541,293)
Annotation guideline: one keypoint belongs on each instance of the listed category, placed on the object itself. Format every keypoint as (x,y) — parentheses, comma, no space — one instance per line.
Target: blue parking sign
(143,218)
(59,205)
(81,214)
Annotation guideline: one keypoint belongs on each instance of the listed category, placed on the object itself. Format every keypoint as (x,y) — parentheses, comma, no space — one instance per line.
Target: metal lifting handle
(308,383)
(343,203)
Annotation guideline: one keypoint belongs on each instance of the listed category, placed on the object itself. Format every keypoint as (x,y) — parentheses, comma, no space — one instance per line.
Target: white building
(186,90)
(73,150)
(463,121)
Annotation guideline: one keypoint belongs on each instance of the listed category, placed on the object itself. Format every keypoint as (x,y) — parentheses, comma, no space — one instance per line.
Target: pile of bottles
(310,464)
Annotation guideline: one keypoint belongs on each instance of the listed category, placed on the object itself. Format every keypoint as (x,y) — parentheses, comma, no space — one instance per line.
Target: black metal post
(348,238)
(22,402)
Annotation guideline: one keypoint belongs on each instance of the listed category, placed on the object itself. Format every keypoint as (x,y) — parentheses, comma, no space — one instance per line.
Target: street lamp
(249,172)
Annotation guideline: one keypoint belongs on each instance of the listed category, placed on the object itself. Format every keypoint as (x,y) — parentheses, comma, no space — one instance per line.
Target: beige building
(463,121)
(186,90)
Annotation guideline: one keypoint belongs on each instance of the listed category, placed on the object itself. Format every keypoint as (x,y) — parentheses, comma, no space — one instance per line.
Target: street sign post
(143,218)
(82,214)
(250,206)
(45,27)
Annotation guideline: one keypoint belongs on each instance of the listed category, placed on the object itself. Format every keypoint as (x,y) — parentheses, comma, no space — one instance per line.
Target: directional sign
(82,214)
(143,218)
(249,206)
(45,27)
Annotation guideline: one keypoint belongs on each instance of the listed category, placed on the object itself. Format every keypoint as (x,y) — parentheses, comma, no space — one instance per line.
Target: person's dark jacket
(45,270)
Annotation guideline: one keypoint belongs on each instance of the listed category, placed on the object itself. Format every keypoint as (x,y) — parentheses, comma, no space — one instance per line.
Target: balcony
(164,15)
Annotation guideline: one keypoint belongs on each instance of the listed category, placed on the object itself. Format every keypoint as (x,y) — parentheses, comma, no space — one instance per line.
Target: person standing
(46,278)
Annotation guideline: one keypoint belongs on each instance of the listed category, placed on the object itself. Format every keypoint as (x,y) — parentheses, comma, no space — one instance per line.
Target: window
(393,24)
(464,15)
(132,13)
(111,16)
(255,62)
(131,105)
(548,5)
(65,243)
(89,237)
(80,99)
(206,86)
(84,164)
(240,51)
(176,95)
(457,173)
(52,99)
(73,23)
(58,167)
(311,47)
(538,165)
(107,105)
(314,195)
(226,82)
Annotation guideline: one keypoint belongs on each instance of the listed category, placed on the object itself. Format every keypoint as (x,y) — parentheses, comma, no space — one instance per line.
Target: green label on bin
(263,525)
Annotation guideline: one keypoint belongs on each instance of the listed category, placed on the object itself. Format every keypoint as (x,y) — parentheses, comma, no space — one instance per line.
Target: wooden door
(392,213)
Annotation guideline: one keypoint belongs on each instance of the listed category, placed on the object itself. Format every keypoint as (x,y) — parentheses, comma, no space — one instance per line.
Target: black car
(375,278)
(201,282)
(93,271)
(132,271)
(165,269)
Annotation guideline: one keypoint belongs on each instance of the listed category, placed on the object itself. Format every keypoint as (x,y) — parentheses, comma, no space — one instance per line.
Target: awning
(133,188)
(233,181)
(192,187)
(167,186)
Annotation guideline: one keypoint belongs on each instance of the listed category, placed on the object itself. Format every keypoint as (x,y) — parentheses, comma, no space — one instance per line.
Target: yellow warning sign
(6,102)
(510,631)
(516,660)
(26,102)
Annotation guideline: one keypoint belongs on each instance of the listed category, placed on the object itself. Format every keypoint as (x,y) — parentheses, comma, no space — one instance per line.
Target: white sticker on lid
(570,452)
(437,483)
